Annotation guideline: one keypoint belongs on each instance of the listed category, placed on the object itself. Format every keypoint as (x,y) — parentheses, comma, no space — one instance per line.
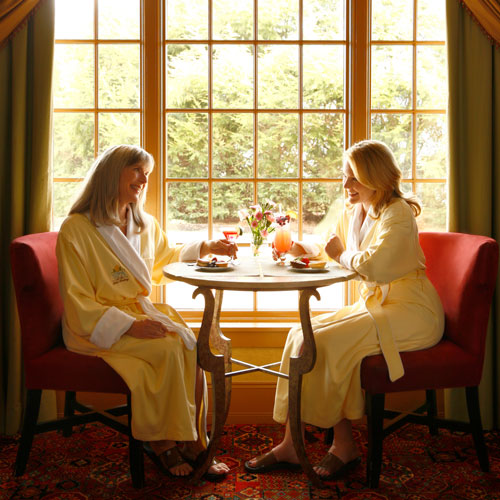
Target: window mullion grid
(301,120)
(414,102)
(256,116)
(210,119)
(96,78)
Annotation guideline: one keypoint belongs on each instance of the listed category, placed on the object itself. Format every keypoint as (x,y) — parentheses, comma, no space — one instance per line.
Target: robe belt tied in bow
(374,295)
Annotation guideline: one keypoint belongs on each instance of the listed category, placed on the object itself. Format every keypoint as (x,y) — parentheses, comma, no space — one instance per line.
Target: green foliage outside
(276,151)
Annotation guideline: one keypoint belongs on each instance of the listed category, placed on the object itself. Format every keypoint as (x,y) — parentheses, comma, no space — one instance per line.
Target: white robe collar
(358,228)
(128,250)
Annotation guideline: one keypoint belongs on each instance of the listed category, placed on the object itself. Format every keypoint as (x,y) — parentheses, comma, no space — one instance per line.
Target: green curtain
(474,177)
(25,183)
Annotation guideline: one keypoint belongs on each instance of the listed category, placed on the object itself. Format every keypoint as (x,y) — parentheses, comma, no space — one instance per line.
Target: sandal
(268,462)
(167,460)
(335,467)
(195,461)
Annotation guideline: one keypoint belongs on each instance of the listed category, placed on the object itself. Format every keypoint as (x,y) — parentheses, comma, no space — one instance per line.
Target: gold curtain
(25,184)
(13,14)
(474,176)
(487,14)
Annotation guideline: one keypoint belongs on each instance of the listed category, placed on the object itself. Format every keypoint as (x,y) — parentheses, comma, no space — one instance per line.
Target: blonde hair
(374,166)
(100,192)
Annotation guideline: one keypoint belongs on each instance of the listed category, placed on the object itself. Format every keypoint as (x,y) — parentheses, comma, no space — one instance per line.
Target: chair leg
(375,414)
(328,439)
(472,396)
(430,395)
(136,455)
(69,411)
(33,398)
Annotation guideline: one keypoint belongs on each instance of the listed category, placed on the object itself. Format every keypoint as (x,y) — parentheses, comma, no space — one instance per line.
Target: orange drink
(283,241)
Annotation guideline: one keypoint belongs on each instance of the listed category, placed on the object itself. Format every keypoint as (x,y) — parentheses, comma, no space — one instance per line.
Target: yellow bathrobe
(100,303)
(398,309)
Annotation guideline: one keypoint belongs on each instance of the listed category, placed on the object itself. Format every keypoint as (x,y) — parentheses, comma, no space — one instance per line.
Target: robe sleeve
(164,254)
(102,325)
(386,259)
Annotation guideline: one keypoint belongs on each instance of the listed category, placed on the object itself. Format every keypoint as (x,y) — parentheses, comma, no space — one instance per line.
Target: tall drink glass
(282,241)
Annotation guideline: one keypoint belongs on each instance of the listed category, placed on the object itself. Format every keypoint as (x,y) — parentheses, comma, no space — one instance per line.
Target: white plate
(206,269)
(309,270)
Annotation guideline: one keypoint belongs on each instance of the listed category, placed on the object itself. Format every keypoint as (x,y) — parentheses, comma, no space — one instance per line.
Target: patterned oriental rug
(93,464)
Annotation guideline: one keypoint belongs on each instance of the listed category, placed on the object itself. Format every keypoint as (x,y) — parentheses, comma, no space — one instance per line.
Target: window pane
(233,150)
(431,146)
(119,76)
(322,206)
(187,145)
(324,20)
(187,211)
(434,202)
(332,297)
(118,128)
(238,301)
(63,196)
(187,76)
(395,130)
(73,136)
(278,145)
(74,19)
(391,77)
(233,76)
(432,76)
(73,83)
(278,19)
(277,301)
(323,144)
(431,20)
(278,76)
(187,19)
(323,76)
(180,295)
(233,20)
(392,19)
(227,199)
(119,19)
(283,193)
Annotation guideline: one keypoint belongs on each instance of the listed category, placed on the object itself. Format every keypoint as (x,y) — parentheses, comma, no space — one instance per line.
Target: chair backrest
(463,269)
(36,282)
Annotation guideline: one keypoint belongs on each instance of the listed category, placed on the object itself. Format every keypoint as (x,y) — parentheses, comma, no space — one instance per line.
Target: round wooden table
(256,275)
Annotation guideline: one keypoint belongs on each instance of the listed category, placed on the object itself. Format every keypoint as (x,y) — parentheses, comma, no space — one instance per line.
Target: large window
(97,88)
(241,101)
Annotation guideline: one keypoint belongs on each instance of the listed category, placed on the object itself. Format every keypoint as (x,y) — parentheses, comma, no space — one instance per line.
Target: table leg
(216,365)
(298,366)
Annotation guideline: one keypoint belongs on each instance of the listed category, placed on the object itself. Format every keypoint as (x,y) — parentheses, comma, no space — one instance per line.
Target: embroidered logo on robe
(118,274)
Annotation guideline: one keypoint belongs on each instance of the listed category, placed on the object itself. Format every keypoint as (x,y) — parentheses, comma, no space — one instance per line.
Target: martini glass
(231,234)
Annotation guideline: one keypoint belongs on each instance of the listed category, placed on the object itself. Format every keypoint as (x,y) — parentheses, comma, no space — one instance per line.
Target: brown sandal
(195,461)
(167,460)
(335,467)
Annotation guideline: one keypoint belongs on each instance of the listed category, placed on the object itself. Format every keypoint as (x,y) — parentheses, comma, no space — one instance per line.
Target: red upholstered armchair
(48,364)
(463,269)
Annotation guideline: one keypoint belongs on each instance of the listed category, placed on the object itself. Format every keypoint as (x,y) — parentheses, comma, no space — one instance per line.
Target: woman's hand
(219,247)
(334,248)
(147,329)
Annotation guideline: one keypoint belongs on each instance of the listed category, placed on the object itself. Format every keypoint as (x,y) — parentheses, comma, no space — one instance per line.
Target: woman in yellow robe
(109,253)
(398,309)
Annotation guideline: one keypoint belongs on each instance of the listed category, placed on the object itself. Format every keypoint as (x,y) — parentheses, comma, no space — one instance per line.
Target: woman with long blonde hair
(398,308)
(110,252)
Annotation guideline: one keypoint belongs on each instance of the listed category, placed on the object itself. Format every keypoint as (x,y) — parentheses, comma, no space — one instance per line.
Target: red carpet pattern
(93,464)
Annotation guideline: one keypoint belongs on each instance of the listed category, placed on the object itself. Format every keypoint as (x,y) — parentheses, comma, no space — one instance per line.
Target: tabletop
(257,275)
